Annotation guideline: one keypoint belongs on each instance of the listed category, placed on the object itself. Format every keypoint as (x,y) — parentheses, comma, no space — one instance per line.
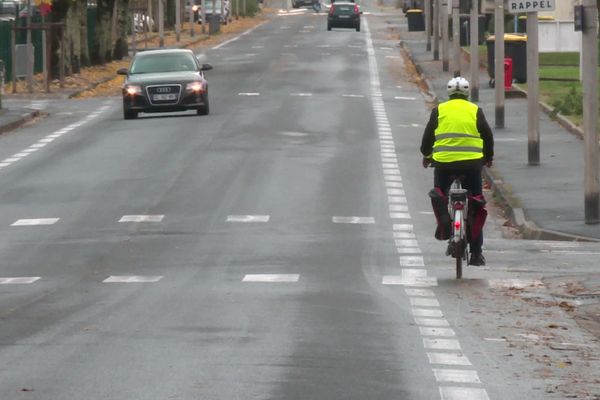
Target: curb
(528,229)
(20,122)
(430,96)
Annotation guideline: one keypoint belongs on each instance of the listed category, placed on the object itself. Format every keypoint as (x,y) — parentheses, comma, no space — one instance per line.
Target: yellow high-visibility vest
(456,136)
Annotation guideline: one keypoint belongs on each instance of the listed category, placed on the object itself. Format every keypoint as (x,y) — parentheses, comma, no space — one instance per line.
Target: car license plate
(163,97)
(344,16)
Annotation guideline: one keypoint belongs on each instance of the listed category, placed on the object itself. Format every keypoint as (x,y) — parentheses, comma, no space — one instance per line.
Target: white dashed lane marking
(248,218)
(441,344)
(448,359)
(23,280)
(463,393)
(141,218)
(271,278)
(442,332)
(132,279)
(353,220)
(456,376)
(35,221)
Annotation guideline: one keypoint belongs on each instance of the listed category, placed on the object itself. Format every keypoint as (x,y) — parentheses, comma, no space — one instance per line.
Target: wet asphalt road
(279,248)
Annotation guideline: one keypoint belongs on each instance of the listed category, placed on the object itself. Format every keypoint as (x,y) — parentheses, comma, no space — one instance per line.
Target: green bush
(571,104)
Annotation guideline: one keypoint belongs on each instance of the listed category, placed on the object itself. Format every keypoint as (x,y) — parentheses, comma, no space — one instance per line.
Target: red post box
(508,73)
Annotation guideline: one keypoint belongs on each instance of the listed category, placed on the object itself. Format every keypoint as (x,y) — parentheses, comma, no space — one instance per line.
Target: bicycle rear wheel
(459,250)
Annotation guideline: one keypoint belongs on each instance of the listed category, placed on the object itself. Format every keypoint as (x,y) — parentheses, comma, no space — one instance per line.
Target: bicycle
(458,208)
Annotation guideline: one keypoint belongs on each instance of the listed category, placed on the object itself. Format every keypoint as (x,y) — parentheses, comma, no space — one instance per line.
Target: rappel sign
(519,6)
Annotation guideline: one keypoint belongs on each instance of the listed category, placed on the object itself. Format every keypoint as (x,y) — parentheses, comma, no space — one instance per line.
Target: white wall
(558,36)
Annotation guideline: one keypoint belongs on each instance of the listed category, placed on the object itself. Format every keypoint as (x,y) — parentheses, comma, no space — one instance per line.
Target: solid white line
(463,393)
(132,279)
(448,359)
(141,218)
(23,280)
(225,43)
(248,218)
(456,376)
(35,221)
(272,278)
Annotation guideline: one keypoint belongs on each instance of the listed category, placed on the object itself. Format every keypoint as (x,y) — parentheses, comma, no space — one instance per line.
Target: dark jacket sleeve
(429,134)
(486,134)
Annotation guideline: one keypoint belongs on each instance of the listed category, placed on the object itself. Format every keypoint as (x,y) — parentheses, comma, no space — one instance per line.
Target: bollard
(1,82)
(508,73)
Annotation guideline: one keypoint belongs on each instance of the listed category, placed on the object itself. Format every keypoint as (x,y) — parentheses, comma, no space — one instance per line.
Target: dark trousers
(443,177)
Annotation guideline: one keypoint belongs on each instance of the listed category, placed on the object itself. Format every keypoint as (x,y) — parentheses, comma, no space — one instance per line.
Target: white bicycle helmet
(458,85)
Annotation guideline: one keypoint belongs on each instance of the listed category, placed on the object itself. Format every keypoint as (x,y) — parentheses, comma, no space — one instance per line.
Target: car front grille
(163,94)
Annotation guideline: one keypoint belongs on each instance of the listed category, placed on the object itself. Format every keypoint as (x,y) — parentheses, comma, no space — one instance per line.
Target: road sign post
(533,88)
(456,37)
(499,62)
(445,40)
(590,111)
(436,30)
(474,26)
(427,13)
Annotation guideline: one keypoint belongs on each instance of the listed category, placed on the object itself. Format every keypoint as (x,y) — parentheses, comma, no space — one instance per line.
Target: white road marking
(424,302)
(420,292)
(21,155)
(406,243)
(30,150)
(456,376)
(357,96)
(412,261)
(407,281)
(132,279)
(391,171)
(141,218)
(393,178)
(414,273)
(5,164)
(404,235)
(397,199)
(301,94)
(385,48)
(394,185)
(249,94)
(463,393)
(441,332)
(426,312)
(448,359)
(433,322)
(35,221)
(272,278)
(258,47)
(396,215)
(404,98)
(353,220)
(248,218)
(22,280)
(399,207)
(238,37)
(441,344)
(408,250)
(11,159)
(38,145)
(291,46)
(393,57)
(514,283)
(395,192)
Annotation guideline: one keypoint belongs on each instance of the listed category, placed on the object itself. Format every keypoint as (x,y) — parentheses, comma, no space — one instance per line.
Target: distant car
(344,15)
(300,3)
(211,9)
(165,80)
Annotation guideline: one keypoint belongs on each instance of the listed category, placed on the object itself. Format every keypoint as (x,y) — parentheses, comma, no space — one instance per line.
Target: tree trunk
(122,24)
(75,34)
(102,51)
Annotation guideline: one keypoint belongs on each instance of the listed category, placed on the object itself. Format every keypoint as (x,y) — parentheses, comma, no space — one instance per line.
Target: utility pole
(436,30)
(474,25)
(161,23)
(203,15)
(499,61)
(445,44)
(589,46)
(177,20)
(456,37)
(427,13)
(533,89)
(192,12)
(30,59)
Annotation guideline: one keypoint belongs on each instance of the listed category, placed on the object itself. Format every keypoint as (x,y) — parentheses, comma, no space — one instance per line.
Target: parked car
(344,15)
(213,9)
(300,3)
(165,80)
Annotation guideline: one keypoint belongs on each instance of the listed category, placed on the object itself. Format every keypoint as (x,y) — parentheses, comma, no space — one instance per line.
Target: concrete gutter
(20,121)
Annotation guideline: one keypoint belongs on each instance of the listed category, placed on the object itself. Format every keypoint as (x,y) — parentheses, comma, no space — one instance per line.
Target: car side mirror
(206,67)
(123,71)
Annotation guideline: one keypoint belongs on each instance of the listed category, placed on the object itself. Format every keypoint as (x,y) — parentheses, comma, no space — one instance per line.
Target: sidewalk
(545,201)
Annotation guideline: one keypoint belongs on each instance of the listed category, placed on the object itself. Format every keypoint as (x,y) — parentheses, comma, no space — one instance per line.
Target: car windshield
(170,62)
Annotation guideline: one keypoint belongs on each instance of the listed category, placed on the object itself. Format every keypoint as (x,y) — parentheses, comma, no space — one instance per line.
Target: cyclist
(458,142)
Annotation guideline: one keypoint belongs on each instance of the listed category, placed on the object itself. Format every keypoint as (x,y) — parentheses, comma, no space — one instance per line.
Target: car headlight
(194,86)
(133,89)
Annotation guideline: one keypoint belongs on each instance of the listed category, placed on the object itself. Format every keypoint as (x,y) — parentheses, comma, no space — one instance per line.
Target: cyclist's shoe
(477,260)
(450,248)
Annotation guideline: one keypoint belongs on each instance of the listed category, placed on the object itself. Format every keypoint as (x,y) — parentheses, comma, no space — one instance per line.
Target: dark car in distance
(165,80)
(344,15)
